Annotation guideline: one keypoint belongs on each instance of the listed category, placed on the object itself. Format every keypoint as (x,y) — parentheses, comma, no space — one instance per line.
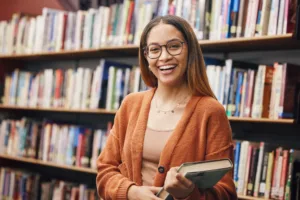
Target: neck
(170,94)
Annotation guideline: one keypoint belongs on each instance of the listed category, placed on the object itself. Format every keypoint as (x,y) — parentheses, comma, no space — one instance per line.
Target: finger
(184,181)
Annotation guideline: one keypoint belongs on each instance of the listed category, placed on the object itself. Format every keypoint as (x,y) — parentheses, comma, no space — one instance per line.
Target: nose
(164,54)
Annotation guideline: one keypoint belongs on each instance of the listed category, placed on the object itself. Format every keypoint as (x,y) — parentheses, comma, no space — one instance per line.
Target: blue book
(238,95)
(236,162)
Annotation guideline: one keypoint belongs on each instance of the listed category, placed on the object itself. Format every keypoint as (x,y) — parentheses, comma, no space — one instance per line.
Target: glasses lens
(154,51)
(174,47)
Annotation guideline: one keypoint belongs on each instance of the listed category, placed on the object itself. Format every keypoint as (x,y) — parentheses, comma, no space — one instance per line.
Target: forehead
(162,33)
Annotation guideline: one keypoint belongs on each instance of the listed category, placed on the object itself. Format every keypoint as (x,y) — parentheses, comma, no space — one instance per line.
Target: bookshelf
(263,43)
(106,112)
(76,169)
(250,198)
(48,164)
(240,45)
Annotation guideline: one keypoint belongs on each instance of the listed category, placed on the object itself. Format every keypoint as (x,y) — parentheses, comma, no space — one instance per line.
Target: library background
(66,65)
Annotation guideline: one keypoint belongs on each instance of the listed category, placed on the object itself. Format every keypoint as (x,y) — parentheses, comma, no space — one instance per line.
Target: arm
(218,145)
(111,184)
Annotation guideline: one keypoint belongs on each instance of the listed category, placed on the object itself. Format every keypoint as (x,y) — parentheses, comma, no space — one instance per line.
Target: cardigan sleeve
(111,184)
(219,145)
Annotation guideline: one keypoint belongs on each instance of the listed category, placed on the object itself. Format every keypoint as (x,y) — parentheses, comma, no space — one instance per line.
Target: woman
(178,120)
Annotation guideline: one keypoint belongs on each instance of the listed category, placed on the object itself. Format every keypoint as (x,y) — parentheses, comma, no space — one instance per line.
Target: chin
(171,83)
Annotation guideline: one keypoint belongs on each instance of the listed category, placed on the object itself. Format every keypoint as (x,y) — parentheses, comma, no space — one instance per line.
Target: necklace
(172,110)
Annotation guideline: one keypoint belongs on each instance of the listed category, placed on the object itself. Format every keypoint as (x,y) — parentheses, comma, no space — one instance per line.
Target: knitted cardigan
(203,133)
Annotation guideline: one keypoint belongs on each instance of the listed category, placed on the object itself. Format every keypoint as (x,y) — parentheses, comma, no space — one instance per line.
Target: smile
(167,67)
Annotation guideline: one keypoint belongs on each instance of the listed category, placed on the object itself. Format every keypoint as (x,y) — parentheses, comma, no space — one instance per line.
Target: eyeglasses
(173,47)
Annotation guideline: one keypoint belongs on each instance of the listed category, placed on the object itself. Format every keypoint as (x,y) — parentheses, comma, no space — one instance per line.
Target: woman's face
(168,69)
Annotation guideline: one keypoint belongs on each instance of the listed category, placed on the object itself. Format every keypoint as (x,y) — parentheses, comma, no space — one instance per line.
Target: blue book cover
(236,162)
(238,96)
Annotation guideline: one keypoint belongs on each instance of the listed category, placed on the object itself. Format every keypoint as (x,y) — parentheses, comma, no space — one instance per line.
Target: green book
(204,174)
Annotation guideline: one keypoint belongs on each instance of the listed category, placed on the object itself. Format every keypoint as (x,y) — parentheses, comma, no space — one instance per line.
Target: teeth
(166,67)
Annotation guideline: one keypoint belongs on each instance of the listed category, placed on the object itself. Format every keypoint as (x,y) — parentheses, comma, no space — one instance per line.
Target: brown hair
(195,75)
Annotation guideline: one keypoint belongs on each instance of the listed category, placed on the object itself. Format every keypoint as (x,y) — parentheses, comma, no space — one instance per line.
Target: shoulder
(210,106)
(134,100)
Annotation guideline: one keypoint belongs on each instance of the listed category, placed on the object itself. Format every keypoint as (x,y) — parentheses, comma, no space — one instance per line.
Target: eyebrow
(174,39)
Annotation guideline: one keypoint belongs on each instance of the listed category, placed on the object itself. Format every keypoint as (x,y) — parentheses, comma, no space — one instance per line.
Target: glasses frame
(165,45)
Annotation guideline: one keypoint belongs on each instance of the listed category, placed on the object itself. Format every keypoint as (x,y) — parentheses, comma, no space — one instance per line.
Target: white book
(258,92)
(242,107)
(12,183)
(9,38)
(47,93)
(281,17)
(105,21)
(118,85)
(122,35)
(78,90)
(248,18)
(217,82)
(70,88)
(39,35)
(60,31)
(273,17)
(242,167)
(97,85)
(279,89)
(259,169)
(97,30)
(47,137)
(20,35)
(31,37)
(2,136)
(126,82)
(70,143)
(79,29)
(53,144)
(96,147)
(137,77)
(265,17)
(87,76)
(285,20)
(111,75)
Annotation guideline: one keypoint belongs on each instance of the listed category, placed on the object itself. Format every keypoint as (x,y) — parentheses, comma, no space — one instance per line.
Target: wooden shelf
(261,120)
(88,111)
(250,198)
(104,111)
(48,164)
(279,42)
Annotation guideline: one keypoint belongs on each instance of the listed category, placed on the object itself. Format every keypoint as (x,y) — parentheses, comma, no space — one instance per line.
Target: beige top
(156,138)
(153,145)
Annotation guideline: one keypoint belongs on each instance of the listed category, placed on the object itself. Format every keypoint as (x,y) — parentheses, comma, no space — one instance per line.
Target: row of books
(81,88)
(244,89)
(264,170)
(58,143)
(23,185)
(251,90)
(121,22)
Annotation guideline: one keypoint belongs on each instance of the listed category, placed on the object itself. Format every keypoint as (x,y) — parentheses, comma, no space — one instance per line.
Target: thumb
(155,189)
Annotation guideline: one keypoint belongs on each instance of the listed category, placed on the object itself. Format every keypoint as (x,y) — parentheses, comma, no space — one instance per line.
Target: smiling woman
(177,121)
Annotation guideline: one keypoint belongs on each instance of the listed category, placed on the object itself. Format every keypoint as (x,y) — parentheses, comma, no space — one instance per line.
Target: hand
(143,193)
(177,185)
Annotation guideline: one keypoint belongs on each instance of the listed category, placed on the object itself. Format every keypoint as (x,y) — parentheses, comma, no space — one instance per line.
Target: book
(204,174)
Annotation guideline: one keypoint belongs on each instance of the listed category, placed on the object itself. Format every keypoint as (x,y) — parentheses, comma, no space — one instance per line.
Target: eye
(154,49)
(174,45)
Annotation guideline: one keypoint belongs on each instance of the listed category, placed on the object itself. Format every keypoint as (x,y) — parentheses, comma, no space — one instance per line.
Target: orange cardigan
(203,133)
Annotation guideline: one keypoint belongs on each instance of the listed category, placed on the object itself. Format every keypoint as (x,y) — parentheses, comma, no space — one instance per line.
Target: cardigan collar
(139,135)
